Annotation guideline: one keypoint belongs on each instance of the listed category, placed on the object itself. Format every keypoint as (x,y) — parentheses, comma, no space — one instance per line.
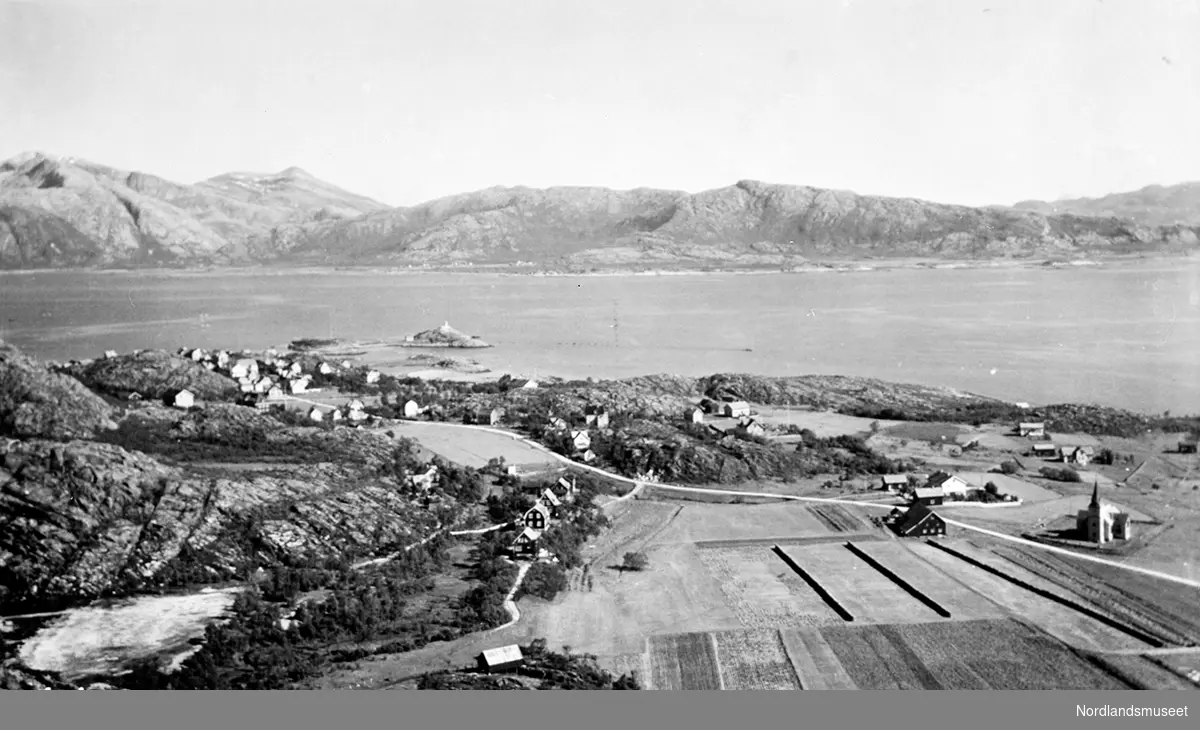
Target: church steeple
(1095,494)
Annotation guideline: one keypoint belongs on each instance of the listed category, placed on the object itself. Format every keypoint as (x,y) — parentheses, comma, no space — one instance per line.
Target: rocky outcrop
(38,403)
(152,374)
(86,519)
(444,336)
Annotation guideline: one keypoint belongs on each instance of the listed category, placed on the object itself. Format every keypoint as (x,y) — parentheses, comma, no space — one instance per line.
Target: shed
(1032,429)
(500,659)
(736,408)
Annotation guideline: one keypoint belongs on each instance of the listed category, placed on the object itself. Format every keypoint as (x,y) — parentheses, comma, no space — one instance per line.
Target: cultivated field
(958,599)
(684,661)
(862,590)
(763,591)
(822,423)
(983,654)
(980,654)
(1057,620)
(98,640)
(1027,492)
(471,447)
(1165,610)
(754,659)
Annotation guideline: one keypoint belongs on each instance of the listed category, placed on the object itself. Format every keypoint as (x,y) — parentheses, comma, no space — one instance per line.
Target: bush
(544,580)
(634,561)
(1009,467)
(1063,474)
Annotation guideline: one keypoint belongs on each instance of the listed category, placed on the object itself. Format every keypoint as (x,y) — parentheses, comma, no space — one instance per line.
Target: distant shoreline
(809,267)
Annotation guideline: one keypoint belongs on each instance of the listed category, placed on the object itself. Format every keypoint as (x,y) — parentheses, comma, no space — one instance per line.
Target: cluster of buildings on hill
(578,435)
(547,507)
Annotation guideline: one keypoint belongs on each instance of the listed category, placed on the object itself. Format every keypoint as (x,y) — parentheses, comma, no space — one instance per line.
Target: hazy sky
(962,101)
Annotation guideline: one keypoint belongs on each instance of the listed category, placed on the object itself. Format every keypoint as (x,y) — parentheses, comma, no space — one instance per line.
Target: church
(1102,523)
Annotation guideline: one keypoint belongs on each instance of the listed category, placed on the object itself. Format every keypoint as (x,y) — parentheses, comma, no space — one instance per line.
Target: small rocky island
(444,336)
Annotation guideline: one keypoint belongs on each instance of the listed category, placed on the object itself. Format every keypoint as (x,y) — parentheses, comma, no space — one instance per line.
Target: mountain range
(67,212)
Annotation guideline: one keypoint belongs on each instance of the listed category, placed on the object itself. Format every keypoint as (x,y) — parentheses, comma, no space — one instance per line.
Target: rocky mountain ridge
(65,212)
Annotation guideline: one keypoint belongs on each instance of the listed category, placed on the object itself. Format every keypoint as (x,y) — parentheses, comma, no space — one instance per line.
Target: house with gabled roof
(695,415)
(928,496)
(536,517)
(581,440)
(181,399)
(919,521)
(748,427)
(1081,455)
(551,502)
(525,544)
(893,482)
(949,483)
(588,456)
(564,489)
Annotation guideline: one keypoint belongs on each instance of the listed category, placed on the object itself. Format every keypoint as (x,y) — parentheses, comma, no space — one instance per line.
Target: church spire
(1095,493)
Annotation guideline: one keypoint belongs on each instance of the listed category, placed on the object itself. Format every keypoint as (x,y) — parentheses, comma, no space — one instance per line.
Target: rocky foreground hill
(69,213)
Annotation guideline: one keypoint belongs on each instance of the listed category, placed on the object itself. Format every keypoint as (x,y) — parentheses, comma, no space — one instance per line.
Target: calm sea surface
(1127,336)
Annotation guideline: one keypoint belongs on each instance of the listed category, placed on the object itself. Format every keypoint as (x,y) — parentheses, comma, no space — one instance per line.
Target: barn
(919,521)
(928,496)
(736,409)
(500,659)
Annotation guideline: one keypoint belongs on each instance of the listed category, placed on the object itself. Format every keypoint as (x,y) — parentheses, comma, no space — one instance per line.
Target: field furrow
(815,663)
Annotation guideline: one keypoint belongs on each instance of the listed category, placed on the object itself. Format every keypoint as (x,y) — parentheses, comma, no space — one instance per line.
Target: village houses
(548,500)
(596,416)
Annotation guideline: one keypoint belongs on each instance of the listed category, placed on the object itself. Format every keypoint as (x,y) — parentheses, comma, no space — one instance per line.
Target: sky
(962,101)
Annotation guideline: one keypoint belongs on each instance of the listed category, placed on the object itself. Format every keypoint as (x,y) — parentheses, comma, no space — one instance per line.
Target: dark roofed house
(525,543)
(500,659)
(564,489)
(919,521)
(537,517)
(1044,450)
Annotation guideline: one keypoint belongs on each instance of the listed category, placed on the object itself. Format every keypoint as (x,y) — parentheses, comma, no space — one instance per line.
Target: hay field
(471,447)
(862,590)
(958,599)
(703,522)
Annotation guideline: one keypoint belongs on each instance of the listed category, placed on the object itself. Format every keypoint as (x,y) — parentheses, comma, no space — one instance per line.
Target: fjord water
(1126,335)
